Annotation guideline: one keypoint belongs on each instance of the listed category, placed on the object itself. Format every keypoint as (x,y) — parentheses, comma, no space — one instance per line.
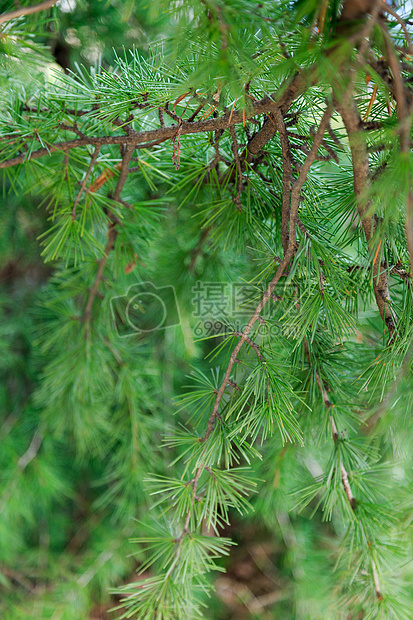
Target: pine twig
(238,167)
(31,451)
(388,9)
(85,180)
(287,175)
(198,249)
(112,234)
(405,120)
(344,474)
(251,343)
(244,336)
(409,228)
(145,138)
(360,163)
(28,10)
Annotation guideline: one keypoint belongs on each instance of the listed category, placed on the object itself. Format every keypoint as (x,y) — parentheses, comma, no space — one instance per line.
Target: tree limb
(361,180)
(266,105)
(290,251)
(82,187)
(28,10)
(287,175)
(112,234)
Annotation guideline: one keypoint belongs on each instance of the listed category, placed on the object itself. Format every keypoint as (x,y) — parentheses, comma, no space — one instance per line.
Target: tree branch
(31,451)
(268,104)
(287,175)
(361,180)
(290,251)
(238,167)
(112,234)
(82,187)
(28,10)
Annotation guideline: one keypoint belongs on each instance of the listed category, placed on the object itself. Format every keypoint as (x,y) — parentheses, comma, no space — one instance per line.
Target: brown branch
(195,114)
(238,166)
(127,155)
(399,89)
(112,234)
(234,385)
(361,180)
(31,451)
(73,128)
(291,91)
(28,10)
(251,343)
(82,187)
(290,252)
(405,121)
(287,175)
(145,138)
(388,9)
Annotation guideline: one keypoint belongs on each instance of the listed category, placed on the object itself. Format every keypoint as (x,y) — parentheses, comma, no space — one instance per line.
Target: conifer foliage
(207,308)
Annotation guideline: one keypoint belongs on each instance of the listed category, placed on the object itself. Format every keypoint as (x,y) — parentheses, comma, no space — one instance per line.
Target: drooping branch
(361,181)
(112,233)
(287,178)
(344,473)
(93,160)
(238,167)
(244,336)
(404,112)
(111,238)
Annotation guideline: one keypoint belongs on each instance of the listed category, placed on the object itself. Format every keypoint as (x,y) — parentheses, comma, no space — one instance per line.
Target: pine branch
(112,233)
(251,343)
(149,138)
(388,9)
(85,180)
(31,451)
(110,244)
(238,167)
(344,474)
(244,336)
(287,175)
(361,180)
(198,249)
(404,111)
(28,10)
(409,228)
(299,83)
